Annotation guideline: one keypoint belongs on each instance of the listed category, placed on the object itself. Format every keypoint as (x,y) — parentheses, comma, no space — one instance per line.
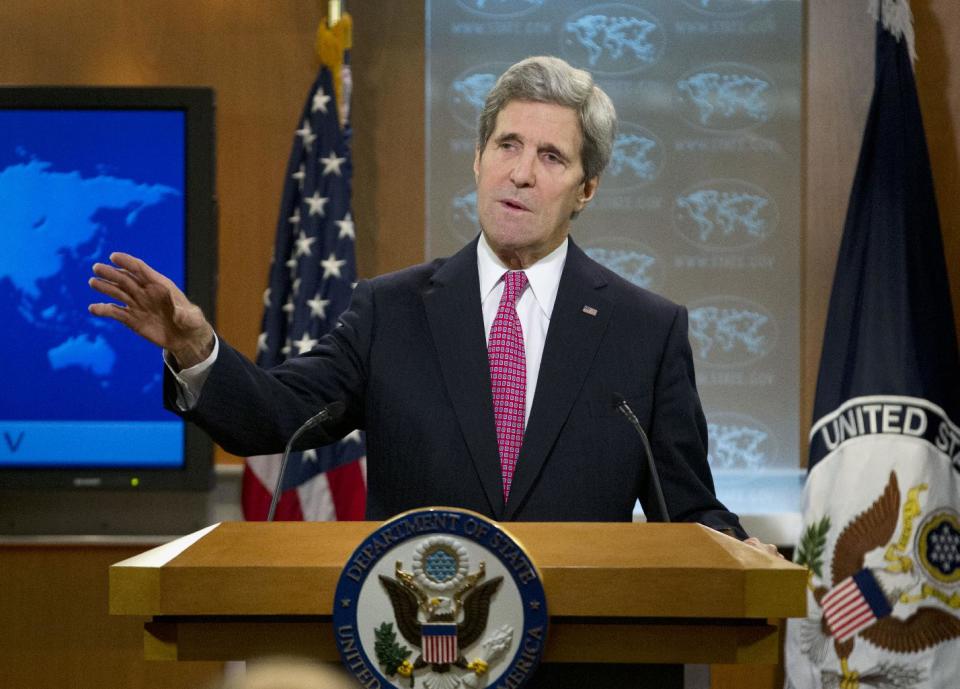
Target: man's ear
(587,191)
(476,165)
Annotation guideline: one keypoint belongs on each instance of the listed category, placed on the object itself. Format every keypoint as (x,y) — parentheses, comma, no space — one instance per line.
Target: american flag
(311,281)
(854,604)
(439,642)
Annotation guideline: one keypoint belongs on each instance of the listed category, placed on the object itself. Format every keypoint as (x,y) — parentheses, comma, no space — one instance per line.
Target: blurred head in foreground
(290,673)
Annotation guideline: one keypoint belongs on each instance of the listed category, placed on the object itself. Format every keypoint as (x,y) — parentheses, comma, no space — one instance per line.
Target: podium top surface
(588,570)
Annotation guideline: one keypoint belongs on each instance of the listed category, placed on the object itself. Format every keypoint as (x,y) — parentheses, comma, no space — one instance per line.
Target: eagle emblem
(440,598)
(872,571)
(440,607)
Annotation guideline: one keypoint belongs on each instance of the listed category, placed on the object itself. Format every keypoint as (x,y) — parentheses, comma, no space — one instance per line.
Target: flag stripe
(257,497)
(854,625)
(344,482)
(846,607)
(439,642)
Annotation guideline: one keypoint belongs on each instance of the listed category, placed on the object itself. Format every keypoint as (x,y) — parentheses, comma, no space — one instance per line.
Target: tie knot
(513,284)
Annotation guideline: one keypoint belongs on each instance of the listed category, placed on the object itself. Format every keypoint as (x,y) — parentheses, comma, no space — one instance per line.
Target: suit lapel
(452,304)
(579,319)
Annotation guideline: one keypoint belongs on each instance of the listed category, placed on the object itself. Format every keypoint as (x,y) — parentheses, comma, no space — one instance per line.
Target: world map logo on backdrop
(726,7)
(501,9)
(730,331)
(613,39)
(637,158)
(725,215)
(469,89)
(739,442)
(632,260)
(726,97)
(463,218)
(59,225)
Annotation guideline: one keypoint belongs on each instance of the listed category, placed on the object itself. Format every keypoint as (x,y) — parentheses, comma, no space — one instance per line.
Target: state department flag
(881,506)
(311,282)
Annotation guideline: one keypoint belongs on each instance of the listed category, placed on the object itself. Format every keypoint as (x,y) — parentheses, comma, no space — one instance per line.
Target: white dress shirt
(190,380)
(533,308)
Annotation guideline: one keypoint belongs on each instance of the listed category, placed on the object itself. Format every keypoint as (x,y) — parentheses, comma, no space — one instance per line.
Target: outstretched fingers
(139,270)
(151,305)
(110,289)
(122,280)
(144,299)
(132,282)
(114,311)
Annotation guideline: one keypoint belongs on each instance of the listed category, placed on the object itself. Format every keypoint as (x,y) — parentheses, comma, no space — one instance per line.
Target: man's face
(530,180)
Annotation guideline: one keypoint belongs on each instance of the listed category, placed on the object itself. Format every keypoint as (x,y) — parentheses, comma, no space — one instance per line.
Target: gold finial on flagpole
(333,13)
(334,37)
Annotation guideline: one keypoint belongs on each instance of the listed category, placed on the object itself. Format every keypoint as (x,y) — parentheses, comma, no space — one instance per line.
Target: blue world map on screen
(75,186)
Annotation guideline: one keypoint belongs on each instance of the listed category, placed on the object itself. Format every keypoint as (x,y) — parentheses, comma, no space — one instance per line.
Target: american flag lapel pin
(589,310)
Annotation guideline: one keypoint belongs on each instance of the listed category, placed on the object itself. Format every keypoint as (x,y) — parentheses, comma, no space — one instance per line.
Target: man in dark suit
(486,380)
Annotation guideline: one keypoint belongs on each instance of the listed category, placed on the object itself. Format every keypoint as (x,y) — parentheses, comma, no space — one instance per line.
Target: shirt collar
(543,276)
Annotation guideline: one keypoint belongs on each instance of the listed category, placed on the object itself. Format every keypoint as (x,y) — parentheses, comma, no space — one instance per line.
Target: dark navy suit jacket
(409,360)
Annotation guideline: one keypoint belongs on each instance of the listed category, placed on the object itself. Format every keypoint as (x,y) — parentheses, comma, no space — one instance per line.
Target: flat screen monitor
(85,172)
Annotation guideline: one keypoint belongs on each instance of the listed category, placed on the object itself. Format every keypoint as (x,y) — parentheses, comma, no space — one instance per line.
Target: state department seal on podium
(440,599)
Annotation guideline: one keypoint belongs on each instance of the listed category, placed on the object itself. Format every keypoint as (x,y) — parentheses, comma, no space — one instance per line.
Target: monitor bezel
(201,265)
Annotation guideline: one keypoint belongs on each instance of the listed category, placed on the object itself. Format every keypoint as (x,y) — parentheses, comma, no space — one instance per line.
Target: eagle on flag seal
(861,599)
(453,605)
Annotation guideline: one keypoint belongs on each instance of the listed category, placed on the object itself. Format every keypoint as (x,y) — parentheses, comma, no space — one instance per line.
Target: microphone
(621,404)
(334,410)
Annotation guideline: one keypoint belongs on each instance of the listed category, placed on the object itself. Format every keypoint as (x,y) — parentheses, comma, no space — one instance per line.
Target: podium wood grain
(641,593)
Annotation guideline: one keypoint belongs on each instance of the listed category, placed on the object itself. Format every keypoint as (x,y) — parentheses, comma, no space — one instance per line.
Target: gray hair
(551,80)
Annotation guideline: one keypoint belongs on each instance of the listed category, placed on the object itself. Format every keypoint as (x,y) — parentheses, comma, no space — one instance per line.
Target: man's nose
(523,173)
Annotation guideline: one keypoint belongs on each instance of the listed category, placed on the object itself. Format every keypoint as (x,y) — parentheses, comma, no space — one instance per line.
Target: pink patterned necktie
(508,376)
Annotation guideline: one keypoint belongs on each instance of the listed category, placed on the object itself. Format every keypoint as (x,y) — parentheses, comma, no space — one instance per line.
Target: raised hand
(152,306)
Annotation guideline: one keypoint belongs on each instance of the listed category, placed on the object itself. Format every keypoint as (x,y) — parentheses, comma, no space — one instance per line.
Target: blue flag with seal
(881,526)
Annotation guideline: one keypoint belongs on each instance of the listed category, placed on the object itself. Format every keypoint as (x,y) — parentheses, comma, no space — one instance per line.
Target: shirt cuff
(190,380)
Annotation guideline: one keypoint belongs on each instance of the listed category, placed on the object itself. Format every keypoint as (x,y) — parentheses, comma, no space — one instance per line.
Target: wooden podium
(616,593)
